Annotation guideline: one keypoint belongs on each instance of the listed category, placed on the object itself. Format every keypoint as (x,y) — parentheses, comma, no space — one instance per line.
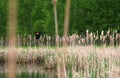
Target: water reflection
(29,71)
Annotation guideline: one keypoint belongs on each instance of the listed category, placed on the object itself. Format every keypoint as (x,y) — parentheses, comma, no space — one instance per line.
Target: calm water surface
(29,71)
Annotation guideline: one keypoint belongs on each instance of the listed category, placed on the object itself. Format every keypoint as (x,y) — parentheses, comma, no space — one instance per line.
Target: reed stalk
(66,26)
(12,26)
(56,36)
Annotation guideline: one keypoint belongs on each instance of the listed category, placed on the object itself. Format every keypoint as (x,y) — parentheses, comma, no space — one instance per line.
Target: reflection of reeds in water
(29,71)
(28,75)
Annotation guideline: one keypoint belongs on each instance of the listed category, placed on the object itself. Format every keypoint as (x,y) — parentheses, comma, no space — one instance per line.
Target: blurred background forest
(38,15)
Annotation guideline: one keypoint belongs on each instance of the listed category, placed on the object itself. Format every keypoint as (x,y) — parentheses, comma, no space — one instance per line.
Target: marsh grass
(81,62)
(94,64)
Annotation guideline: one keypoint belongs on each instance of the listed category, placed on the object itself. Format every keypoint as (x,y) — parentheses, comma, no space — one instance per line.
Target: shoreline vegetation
(81,61)
(27,54)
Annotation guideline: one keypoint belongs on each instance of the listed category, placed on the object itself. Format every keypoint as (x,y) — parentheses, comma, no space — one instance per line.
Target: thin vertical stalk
(56,36)
(67,16)
(12,26)
(66,26)
(56,24)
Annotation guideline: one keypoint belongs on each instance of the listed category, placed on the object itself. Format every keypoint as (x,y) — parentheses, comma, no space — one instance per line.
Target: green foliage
(3,17)
(38,15)
(35,16)
(94,15)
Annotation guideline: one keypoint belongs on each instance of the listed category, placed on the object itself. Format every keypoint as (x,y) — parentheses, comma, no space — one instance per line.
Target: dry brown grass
(86,59)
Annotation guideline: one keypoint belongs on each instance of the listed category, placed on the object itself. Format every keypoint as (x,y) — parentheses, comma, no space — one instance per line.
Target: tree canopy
(38,15)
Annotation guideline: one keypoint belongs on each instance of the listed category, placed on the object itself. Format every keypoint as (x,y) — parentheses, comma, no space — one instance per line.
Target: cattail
(87,36)
(91,38)
(102,33)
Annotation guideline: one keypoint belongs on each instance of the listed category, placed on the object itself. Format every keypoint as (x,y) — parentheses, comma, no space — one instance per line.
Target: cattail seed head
(54,2)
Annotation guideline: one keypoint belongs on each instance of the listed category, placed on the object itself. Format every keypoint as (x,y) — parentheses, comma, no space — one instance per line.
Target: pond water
(28,71)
